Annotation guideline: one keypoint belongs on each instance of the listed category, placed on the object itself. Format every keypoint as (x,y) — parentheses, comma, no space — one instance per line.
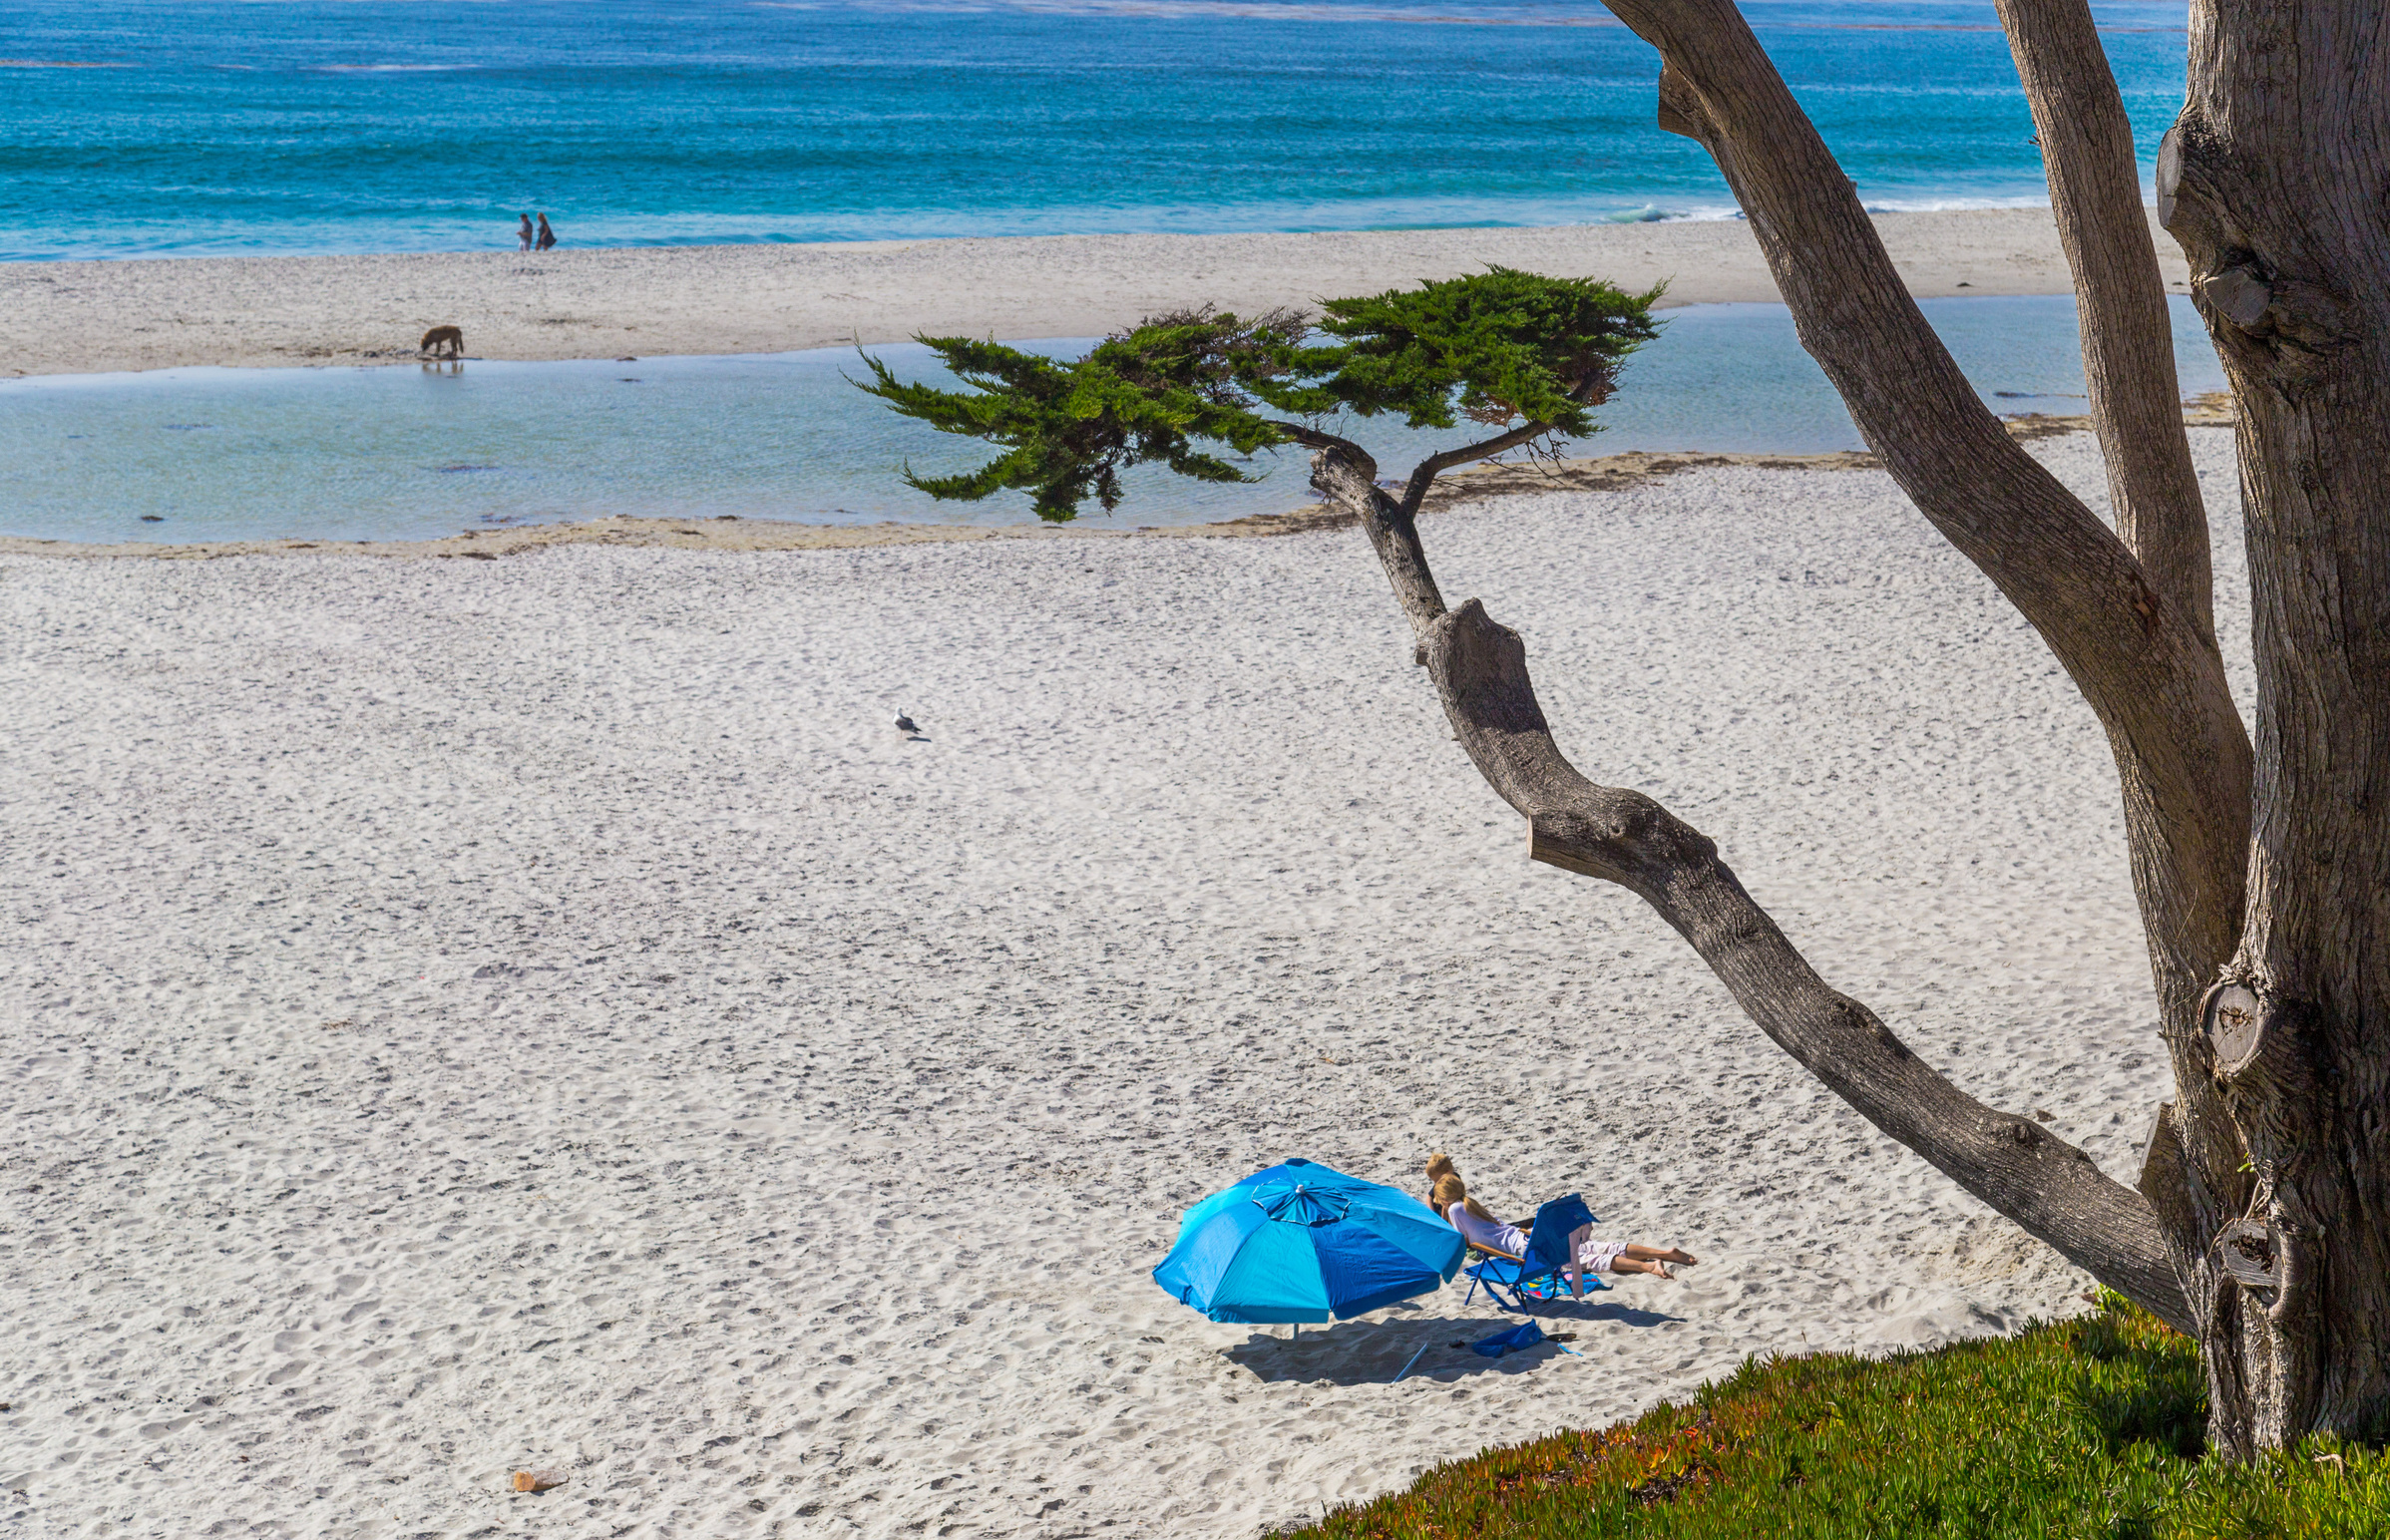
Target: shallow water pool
(414,452)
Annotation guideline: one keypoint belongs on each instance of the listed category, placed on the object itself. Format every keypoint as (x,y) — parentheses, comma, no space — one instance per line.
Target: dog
(443,341)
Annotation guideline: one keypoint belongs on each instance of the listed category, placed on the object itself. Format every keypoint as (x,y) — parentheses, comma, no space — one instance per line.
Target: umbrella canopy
(1302,1242)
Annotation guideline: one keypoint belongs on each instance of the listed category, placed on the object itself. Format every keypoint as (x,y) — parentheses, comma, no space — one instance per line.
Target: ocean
(169,128)
(180,128)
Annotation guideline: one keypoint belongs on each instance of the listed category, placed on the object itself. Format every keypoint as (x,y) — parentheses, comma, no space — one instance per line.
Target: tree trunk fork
(2013,1163)
(2261,1222)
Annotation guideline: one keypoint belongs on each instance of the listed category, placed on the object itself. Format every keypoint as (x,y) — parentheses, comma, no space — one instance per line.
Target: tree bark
(2263,879)
(2144,661)
(2157,688)
(2276,181)
(2119,297)
(2043,1183)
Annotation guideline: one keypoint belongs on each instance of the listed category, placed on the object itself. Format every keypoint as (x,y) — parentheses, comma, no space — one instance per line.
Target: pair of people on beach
(1449,1196)
(538,240)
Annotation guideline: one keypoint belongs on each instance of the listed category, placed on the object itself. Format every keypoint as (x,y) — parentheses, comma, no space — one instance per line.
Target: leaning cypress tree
(1524,356)
(2260,863)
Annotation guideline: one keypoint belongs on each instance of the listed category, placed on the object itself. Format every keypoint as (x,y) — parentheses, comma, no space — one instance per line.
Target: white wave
(1948,204)
(1653,213)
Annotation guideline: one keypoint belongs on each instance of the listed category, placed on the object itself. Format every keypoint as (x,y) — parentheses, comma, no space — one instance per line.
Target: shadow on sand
(1355,1353)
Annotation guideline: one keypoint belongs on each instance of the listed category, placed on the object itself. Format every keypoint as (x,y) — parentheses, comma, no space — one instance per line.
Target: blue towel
(1516,1340)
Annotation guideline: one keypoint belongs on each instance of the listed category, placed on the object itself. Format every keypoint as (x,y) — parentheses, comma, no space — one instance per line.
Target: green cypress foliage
(1501,348)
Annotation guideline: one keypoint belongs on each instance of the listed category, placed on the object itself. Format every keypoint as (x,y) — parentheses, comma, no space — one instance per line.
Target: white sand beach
(89,317)
(470,1015)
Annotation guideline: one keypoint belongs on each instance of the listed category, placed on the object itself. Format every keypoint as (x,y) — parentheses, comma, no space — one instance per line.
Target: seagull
(905,724)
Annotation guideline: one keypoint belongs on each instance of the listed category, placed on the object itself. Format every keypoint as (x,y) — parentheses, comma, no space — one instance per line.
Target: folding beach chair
(1537,1277)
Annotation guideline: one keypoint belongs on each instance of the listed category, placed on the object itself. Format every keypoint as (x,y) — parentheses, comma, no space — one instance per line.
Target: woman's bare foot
(1642,1252)
(1652,1266)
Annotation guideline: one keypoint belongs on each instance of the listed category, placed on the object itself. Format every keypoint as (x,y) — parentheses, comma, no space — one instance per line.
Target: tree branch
(2127,338)
(1312,438)
(1351,481)
(1346,475)
(1423,474)
(2046,1185)
(2143,661)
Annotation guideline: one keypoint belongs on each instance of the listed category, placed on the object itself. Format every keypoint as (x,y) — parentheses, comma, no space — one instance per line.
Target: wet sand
(251,312)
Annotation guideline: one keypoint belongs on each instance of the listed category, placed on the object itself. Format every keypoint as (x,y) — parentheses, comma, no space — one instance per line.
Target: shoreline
(133,314)
(729,532)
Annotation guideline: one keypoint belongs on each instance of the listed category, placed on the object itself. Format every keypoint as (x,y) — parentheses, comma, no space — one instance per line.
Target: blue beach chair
(1537,1277)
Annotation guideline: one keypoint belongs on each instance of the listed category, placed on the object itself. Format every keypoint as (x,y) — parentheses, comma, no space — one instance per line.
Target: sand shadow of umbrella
(1420,1345)
(1357,1353)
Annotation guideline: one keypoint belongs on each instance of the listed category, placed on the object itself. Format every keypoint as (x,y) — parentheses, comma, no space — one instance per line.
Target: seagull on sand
(905,723)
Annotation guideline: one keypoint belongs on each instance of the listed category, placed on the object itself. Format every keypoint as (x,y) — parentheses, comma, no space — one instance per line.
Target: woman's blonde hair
(1451,1189)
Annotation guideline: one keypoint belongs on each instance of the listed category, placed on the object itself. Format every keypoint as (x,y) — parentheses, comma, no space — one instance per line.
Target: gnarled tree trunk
(2276,182)
(2262,1216)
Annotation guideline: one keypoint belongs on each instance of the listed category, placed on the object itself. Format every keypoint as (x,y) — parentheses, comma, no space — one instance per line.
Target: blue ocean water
(246,126)
(183,455)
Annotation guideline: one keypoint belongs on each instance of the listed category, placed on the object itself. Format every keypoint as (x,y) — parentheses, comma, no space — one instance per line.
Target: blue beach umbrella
(1302,1242)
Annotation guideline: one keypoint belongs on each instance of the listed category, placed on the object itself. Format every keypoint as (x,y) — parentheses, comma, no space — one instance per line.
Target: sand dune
(81,317)
(470,1015)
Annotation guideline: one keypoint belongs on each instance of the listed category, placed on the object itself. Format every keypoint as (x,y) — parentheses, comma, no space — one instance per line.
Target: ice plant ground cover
(2087,1428)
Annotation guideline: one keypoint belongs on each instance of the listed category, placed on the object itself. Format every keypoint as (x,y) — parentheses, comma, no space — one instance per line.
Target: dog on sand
(443,342)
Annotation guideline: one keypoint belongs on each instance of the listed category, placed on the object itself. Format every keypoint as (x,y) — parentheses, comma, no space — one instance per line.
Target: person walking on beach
(525,235)
(547,236)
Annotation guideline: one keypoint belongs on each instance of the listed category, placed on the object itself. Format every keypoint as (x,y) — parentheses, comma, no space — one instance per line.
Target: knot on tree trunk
(2266,1065)
(2238,294)
(1484,664)
(1622,837)
(2258,1042)
(2246,1251)
(1681,108)
(2194,168)
(2260,293)
(2269,310)
(1345,476)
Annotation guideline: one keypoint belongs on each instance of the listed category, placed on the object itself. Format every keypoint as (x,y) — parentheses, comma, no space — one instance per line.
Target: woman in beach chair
(1573,1258)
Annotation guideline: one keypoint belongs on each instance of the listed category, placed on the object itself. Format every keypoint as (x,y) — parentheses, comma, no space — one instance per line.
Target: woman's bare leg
(1650,1259)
